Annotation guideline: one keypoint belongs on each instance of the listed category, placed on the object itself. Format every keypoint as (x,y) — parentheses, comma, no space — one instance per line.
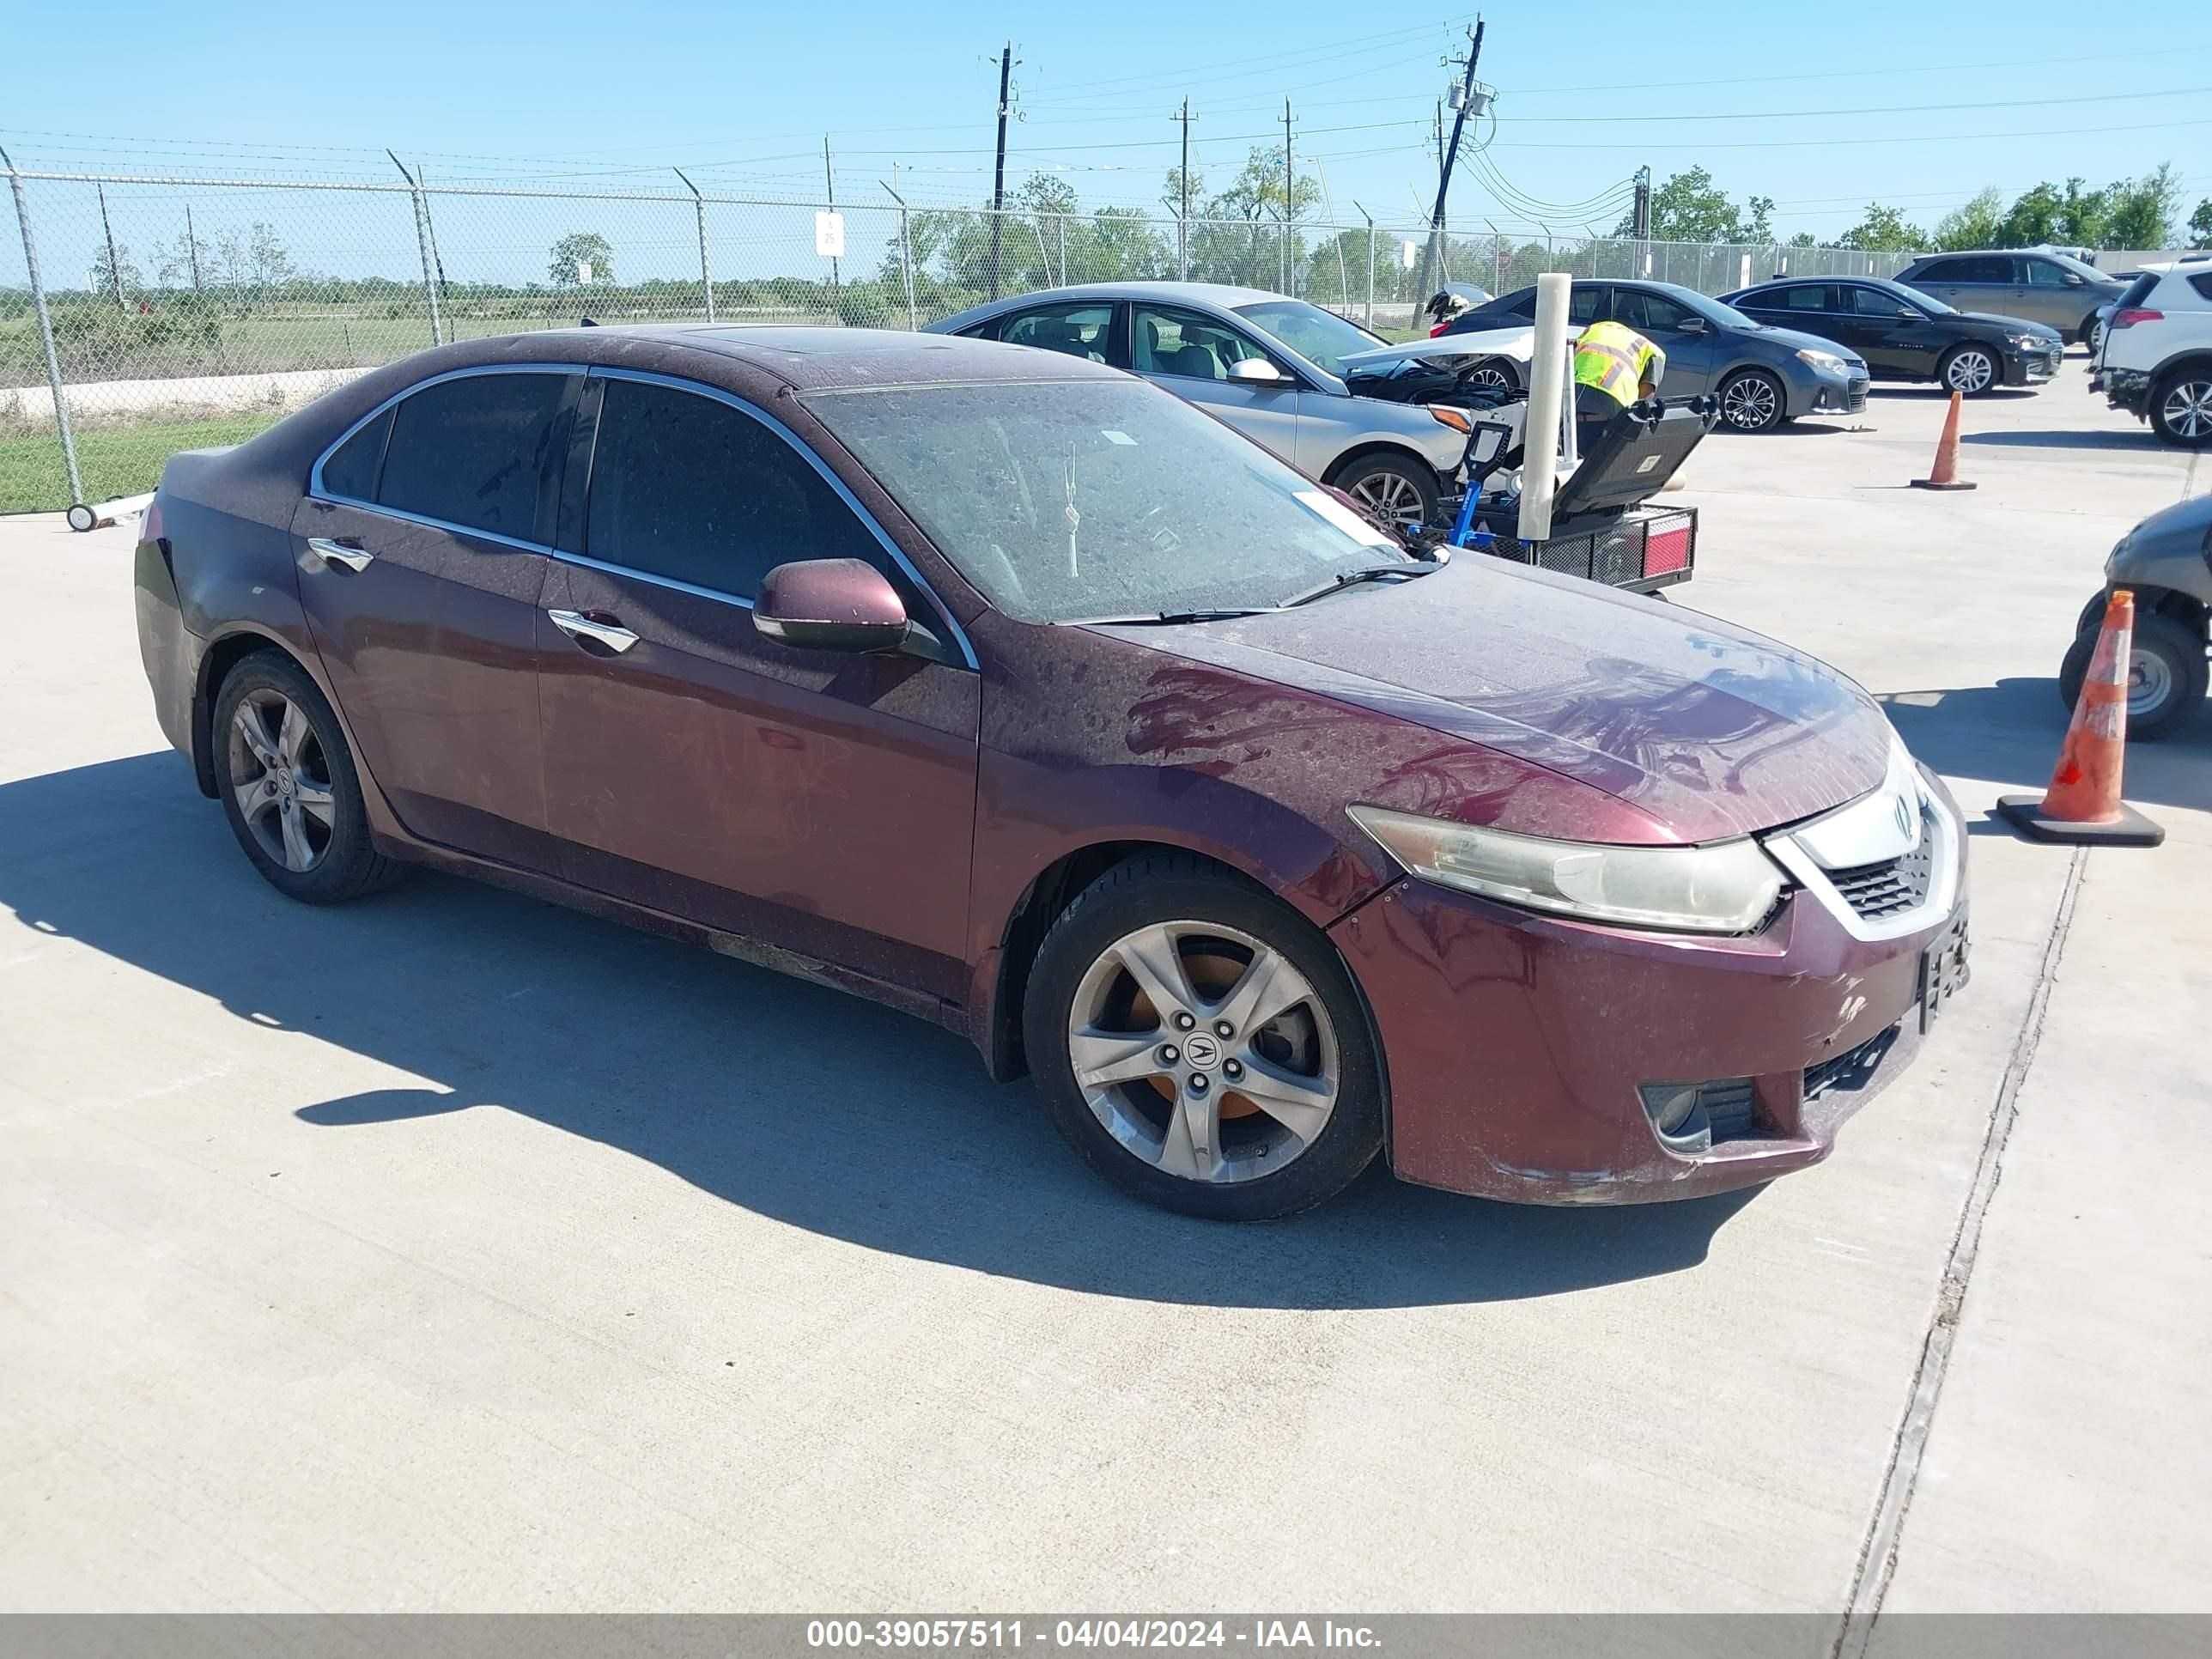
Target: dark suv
(2053,288)
(1763,376)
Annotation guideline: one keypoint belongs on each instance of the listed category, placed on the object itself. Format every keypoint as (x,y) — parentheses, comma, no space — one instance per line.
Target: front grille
(1855,400)
(1888,887)
(1852,1069)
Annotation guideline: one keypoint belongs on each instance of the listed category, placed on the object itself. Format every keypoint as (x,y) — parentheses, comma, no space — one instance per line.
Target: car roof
(1226,294)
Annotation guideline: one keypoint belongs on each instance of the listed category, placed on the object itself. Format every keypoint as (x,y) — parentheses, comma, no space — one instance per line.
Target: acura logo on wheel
(1200,1049)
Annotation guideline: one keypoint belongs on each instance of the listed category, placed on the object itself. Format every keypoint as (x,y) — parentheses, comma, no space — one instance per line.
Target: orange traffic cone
(2083,803)
(1946,473)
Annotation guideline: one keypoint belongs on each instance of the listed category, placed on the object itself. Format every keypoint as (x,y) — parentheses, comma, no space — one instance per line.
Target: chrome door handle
(577,626)
(353,558)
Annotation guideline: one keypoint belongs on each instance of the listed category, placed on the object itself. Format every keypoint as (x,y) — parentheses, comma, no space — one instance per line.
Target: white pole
(1546,394)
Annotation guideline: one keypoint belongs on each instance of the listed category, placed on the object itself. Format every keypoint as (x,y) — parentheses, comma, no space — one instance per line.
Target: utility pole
(829,190)
(1641,216)
(999,174)
(1182,219)
(193,247)
(114,270)
(1290,196)
(1432,254)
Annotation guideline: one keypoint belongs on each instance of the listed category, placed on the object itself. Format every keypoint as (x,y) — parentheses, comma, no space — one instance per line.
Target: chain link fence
(142,314)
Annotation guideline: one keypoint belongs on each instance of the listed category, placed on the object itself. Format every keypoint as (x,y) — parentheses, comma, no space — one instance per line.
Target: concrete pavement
(452,1251)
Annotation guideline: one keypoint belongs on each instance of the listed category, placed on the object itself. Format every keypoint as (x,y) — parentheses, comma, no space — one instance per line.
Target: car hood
(1710,730)
(2010,325)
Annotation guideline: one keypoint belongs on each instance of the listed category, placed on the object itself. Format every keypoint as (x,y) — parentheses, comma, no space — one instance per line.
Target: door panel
(431,652)
(817,801)
(1895,346)
(1189,354)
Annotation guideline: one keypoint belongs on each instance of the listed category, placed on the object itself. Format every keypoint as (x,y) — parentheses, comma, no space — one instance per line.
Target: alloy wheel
(1204,1052)
(2188,409)
(1749,404)
(1390,497)
(280,778)
(1970,372)
(1490,377)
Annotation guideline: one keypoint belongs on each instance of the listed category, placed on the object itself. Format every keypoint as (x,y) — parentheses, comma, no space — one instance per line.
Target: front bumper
(1519,1047)
(1832,394)
(2033,368)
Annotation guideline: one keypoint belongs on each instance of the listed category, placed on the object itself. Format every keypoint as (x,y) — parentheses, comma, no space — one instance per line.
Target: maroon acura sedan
(1016,693)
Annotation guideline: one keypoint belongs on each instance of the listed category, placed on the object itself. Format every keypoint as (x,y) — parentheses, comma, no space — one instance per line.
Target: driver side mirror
(831,604)
(1257,371)
(2074,279)
(1692,323)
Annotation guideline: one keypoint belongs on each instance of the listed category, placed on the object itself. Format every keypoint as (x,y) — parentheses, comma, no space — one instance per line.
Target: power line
(1885,109)
(1884,73)
(1923,138)
(1358,46)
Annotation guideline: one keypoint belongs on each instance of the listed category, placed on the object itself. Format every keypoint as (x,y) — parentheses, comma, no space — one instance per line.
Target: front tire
(1201,1045)
(2166,674)
(2181,407)
(288,787)
(1753,401)
(1971,370)
(1394,489)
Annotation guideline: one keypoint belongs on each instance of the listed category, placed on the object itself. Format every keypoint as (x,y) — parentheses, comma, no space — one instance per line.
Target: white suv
(2155,359)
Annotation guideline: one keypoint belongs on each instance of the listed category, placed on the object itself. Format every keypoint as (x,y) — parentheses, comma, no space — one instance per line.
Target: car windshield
(1913,296)
(1711,310)
(1062,501)
(2079,267)
(1320,336)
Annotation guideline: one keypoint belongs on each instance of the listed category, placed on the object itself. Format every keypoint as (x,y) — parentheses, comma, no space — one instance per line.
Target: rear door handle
(353,558)
(577,626)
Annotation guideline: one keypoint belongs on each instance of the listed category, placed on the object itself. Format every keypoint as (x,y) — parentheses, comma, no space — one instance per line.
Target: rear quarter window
(2202,284)
(352,470)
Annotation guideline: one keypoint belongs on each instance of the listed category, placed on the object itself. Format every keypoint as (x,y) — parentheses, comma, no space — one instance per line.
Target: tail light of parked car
(1438,329)
(2130,316)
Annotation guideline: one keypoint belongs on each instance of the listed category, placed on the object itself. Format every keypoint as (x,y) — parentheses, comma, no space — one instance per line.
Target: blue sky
(741,96)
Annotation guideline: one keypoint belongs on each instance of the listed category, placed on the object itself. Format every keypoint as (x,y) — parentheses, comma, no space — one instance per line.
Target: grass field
(114,460)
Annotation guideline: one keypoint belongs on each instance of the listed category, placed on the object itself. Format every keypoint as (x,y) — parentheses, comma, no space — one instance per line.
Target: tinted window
(1523,304)
(471,451)
(1872,302)
(686,487)
(1801,297)
(351,471)
(1081,331)
(1648,314)
(2139,290)
(2045,273)
(1982,268)
(1584,304)
(2203,284)
(1183,343)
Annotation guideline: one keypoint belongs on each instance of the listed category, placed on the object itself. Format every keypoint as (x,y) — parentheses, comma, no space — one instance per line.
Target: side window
(352,468)
(1648,314)
(472,450)
(1081,331)
(1523,305)
(1806,296)
(2203,284)
(1982,268)
(2044,273)
(1942,270)
(1185,344)
(1872,302)
(1585,304)
(685,487)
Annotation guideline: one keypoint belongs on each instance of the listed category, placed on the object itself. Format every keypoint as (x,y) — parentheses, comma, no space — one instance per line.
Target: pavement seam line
(1877,1560)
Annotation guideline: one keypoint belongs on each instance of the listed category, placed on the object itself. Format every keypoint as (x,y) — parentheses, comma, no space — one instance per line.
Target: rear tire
(2088,332)
(1496,374)
(1166,927)
(288,786)
(2181,407)
(1395,489)
(2166,675)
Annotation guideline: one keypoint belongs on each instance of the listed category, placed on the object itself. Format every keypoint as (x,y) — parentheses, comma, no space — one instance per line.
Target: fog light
(1670,1105)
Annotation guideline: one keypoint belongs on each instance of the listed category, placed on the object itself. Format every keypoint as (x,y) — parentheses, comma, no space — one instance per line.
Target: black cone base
(2130,828)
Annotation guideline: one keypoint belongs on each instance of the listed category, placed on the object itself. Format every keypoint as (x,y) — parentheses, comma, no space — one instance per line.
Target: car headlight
(1826,362)
(1728,887)
(2031,342)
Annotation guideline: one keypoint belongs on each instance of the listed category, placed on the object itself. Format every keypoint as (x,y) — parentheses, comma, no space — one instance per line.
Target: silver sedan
(1270,365)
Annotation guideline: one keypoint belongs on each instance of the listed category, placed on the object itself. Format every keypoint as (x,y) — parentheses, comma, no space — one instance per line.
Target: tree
(566,262)
(2200,224)
(185,261)
(2082,215)
(1690,208)
(121,276)
(1804,239)
(1975,224)
(2142,211)
(1883,230)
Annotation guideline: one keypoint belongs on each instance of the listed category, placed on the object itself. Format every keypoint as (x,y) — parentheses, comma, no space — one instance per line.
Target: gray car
(1268,365)
(2053,289)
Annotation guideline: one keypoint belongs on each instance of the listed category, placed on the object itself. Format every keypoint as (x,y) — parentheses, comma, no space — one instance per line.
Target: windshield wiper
(1171,618)
(1374,572)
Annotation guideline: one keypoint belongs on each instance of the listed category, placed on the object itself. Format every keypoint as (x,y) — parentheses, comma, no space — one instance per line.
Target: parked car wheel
(2087,334)
(1201,1045)
(288,786)
(2181,407)
(1970,369)
(1395,489)
(1494,374)
(1752,401)
(2166,674)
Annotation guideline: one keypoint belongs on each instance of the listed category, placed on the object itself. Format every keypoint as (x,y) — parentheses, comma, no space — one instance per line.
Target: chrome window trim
(670,582)
(315,473)
(807,453)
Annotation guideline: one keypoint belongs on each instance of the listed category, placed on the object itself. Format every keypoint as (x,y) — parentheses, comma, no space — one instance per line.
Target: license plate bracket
(1944,969)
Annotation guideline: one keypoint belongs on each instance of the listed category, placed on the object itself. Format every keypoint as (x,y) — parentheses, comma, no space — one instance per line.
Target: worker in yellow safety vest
(1614,366)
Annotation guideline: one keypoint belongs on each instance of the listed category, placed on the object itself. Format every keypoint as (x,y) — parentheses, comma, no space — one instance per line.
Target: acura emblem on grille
(1904,809)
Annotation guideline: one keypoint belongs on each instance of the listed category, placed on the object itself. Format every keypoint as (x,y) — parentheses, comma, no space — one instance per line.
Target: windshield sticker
(1326,506)
(1114,437)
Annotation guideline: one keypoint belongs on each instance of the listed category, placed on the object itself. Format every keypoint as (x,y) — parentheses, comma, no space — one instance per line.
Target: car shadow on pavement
(2140,442)
(793,1101)
(2009,733)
